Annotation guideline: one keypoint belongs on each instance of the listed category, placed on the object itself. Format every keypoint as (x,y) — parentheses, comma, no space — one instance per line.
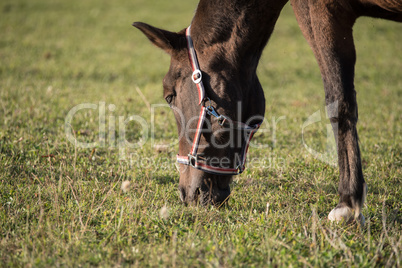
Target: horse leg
(327,26)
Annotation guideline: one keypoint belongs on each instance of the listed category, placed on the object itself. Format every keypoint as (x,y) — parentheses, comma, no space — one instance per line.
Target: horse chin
(216,197)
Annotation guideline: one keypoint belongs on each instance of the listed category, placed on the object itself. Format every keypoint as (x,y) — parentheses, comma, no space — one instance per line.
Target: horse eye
(169,98)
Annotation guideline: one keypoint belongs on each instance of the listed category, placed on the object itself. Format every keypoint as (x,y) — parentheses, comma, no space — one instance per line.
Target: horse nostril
(197,194)
(182,194)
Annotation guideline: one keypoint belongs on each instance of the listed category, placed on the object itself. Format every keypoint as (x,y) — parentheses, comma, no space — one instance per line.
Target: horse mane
(213,25)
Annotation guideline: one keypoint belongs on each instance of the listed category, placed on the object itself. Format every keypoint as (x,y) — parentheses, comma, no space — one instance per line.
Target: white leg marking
(347,214)
(339,214)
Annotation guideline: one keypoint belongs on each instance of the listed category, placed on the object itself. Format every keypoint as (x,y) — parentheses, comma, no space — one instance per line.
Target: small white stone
(164,213)
(125,186)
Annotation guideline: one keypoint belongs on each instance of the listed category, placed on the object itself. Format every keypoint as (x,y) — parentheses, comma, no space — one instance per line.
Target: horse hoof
(345,214)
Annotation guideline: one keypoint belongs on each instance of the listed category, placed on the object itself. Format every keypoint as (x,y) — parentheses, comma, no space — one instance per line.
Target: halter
(196,160)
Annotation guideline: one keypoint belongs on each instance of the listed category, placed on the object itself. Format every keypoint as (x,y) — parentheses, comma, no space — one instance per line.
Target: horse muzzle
(206,189)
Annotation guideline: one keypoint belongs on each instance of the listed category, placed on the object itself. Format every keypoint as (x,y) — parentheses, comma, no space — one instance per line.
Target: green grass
(63,206)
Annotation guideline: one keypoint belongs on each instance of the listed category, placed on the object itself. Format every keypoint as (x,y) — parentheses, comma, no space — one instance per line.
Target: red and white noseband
(193,159)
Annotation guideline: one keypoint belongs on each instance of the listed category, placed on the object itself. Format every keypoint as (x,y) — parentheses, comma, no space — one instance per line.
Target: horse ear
(168,41)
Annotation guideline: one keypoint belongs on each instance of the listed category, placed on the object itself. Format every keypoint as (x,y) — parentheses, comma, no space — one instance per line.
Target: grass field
(61,205)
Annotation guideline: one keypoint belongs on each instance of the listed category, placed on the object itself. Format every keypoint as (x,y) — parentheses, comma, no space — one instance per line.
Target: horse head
(218,104)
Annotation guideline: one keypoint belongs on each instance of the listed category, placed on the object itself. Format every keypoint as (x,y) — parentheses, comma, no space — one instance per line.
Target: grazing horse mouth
(210,190)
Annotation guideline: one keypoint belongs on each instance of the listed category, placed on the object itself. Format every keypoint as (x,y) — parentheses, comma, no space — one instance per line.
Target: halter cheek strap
(193,159)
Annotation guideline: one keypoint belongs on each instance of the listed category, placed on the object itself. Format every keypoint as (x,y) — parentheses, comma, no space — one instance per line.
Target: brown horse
(213,88)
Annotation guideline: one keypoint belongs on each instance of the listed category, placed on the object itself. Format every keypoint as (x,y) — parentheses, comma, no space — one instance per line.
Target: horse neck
(235,31)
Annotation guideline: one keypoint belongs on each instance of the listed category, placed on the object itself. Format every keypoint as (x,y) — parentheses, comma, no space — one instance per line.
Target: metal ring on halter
(196,76)
(192,160)
(240,169)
